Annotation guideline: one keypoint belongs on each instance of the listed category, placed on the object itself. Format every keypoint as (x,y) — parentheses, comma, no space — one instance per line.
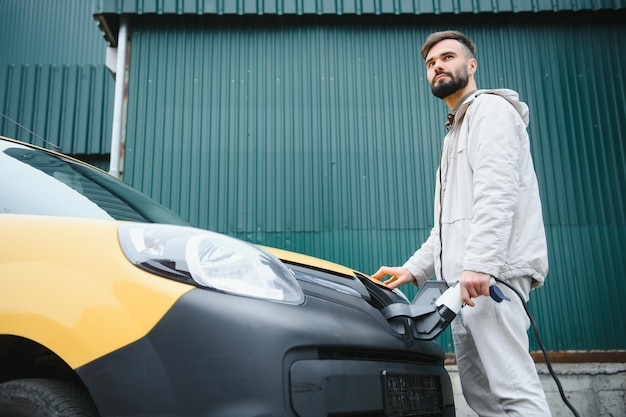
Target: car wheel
(45,398)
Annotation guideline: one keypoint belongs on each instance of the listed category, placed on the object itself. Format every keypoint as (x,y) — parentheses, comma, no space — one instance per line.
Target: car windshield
(33,181)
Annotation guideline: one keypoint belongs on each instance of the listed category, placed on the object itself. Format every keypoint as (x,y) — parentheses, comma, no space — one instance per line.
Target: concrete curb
(593,389)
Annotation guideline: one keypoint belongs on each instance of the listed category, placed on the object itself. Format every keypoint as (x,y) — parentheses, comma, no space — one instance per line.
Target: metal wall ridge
(300,7)
(107,12)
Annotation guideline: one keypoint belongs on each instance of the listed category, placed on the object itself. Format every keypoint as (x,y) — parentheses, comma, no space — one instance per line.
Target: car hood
(317,263)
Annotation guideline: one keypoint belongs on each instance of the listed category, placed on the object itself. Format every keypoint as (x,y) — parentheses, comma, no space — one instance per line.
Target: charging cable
(543,349)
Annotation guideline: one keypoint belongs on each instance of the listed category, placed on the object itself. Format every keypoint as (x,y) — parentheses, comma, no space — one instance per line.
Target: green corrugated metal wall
(67,105)
(53,78)
(58,32)
(321,136)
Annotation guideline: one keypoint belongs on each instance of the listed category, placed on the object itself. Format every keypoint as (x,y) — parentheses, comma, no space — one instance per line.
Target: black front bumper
(220,355)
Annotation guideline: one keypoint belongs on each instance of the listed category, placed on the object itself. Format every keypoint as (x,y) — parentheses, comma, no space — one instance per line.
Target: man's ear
(471,66)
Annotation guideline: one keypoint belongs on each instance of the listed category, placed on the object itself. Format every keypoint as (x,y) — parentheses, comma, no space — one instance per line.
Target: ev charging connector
(434,307)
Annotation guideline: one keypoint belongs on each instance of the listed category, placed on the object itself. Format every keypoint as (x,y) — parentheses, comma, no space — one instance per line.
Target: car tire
(45,398)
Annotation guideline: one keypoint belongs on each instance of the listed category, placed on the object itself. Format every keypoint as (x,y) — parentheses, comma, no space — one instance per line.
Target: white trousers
(497,373)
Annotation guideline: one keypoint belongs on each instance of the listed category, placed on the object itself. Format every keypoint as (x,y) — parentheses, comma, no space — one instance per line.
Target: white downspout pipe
(118,106)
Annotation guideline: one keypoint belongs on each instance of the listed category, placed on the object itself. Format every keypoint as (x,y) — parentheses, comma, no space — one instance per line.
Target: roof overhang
(108,12)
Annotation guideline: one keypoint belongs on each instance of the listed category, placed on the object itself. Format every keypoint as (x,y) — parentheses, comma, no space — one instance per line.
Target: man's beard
(457,82)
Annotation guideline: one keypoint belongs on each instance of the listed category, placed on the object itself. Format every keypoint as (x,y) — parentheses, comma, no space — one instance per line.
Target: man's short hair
(437,37)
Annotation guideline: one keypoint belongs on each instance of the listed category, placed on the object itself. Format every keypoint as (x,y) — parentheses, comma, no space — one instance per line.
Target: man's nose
(437,66)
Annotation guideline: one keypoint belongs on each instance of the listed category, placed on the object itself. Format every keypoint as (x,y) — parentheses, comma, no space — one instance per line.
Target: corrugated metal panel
(346,6)
(325,139)
(59,32)
(52,75)
(239,90)
(69,106)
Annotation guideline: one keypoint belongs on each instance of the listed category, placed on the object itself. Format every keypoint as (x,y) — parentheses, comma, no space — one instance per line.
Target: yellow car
(112,305)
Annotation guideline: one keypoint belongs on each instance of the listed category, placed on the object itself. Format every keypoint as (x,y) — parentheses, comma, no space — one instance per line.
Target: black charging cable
(542,347)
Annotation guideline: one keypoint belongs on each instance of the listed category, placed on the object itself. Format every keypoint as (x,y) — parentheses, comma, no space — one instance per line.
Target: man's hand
(472,285)
(399,276)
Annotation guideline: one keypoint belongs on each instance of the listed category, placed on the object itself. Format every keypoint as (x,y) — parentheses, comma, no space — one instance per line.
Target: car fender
(81,298)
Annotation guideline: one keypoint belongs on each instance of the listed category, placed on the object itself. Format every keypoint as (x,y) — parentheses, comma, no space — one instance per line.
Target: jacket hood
(510,96)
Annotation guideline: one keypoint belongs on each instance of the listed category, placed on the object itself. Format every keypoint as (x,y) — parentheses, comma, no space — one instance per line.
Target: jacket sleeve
(421,264)
(493,154)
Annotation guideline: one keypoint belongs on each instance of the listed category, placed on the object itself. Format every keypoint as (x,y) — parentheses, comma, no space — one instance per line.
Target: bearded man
(488,224)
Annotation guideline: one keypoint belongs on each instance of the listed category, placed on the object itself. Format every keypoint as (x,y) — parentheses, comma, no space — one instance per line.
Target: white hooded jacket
(487,203)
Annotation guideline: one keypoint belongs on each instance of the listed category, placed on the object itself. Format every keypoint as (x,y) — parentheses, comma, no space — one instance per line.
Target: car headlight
(210,260)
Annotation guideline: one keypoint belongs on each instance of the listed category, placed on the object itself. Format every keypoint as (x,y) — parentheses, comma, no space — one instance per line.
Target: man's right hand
(399,276)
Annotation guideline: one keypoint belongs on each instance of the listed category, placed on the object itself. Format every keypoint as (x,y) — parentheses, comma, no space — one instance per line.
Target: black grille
(377,356)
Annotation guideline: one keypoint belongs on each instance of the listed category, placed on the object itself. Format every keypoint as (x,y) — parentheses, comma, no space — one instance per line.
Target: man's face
(447,68)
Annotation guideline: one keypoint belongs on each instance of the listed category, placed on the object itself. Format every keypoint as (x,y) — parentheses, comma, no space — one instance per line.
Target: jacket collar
(456,108)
